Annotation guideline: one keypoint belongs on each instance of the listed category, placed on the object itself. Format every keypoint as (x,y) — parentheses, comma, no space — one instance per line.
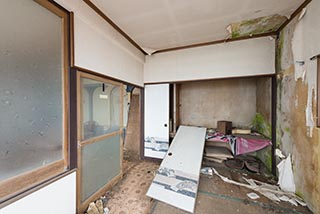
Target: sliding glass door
(99,136)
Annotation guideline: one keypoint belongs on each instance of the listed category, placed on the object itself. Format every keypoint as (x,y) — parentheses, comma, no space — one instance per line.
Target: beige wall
(264,98)
(204,103)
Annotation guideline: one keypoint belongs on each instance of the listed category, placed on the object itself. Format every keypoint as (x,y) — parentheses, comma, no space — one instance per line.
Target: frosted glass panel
(100,107)
(30,87)
(100,163)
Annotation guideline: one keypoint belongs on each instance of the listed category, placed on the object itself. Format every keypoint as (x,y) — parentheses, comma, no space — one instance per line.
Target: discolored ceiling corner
(257,26)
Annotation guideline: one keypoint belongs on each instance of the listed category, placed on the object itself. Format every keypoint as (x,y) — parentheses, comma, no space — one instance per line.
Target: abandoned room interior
(158,106)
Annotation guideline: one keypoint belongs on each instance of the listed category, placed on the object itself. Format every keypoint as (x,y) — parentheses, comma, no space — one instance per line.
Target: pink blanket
(240,145)
(246,145)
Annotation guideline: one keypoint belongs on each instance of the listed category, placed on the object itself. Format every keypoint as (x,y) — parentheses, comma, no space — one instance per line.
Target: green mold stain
(279,51)
(260,125)
(299,194)
(257,26)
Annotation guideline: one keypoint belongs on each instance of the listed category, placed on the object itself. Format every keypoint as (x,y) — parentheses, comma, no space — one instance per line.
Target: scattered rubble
(253,195)
(97,207)
(286,181)
(273,192)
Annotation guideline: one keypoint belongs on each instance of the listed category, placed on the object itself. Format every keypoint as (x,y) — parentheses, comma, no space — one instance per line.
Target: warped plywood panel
(177,179)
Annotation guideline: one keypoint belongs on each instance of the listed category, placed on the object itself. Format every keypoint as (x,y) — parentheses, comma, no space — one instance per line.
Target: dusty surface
(129,195)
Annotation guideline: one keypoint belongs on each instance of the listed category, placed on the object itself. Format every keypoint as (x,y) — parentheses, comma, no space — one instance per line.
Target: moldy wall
(296,110)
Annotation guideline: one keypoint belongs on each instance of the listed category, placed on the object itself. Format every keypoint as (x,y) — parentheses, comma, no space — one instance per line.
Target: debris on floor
(216,153)
(206,171)
(97,207)
(272,192)
(286,181)
(253,195)
(249,162)
(129,195)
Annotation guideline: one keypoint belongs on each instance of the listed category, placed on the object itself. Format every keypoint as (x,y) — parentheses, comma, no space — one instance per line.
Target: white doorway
(156,120)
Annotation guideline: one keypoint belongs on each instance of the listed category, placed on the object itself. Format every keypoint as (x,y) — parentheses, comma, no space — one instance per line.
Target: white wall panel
(58,197)
(233,59)
(100,48)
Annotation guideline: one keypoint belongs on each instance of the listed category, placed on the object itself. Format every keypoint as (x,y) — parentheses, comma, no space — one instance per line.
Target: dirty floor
(214,195)
(129,195)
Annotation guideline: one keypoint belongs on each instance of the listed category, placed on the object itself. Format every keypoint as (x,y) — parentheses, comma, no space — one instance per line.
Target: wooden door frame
(82,205)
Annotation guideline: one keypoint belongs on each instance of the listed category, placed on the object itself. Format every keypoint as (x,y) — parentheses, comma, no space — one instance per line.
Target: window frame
(318,91)
(25,183)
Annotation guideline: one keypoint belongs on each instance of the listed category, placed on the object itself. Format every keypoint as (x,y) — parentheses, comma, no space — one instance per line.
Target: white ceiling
(161,24)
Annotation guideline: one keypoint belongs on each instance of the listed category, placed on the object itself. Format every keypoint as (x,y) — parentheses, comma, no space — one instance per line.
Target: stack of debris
(217,151)
(217,147)
(98,207)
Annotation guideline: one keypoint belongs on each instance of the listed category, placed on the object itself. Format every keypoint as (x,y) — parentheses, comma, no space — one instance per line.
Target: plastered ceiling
(161,24)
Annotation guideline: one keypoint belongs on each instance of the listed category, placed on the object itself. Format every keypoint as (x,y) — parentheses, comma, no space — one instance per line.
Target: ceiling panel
(162,24)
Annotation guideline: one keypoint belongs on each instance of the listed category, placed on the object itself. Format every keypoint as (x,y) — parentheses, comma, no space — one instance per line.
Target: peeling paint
(296,109)
(297,48)
(301,71)
(256,26)
(309,114)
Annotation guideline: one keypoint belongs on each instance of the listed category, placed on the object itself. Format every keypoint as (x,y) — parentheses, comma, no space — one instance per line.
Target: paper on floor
(286,181)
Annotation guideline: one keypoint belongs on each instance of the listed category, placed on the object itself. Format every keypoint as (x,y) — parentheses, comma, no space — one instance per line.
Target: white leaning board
(177,179)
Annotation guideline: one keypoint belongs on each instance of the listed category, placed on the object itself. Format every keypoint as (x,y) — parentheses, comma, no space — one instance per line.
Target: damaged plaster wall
(296,110)
(204,103)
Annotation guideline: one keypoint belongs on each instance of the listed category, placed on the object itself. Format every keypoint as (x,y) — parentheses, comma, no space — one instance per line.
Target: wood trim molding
(318,92)
(219,78)
(98,78)
(215,42)
(84,205)
(141,103)
(88,71)
(293,15)
(71,24)
(116,27)
(274,124)
(99,138)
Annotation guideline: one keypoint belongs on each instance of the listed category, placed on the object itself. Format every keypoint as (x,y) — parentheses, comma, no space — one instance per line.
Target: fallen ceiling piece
(177,179)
